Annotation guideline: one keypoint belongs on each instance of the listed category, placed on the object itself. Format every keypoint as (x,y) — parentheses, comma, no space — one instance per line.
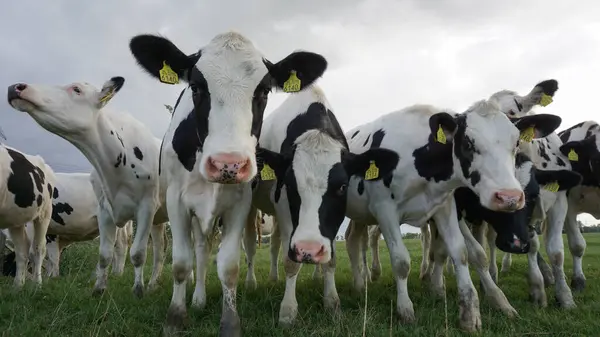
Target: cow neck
(101,149)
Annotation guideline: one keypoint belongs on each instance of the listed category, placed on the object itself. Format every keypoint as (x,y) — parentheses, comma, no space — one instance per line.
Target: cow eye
(342,189)
(77,90)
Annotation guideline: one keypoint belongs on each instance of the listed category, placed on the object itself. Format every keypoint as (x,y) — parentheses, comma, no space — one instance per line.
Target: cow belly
(589,201)
(15,217)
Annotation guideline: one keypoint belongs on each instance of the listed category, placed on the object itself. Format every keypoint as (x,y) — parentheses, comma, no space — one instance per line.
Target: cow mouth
(22,104)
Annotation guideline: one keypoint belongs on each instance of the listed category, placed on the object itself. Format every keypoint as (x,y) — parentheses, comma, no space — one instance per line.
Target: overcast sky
(383,55)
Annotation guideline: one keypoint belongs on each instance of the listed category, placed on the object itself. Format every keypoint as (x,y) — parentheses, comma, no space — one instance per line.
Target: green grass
(64,306)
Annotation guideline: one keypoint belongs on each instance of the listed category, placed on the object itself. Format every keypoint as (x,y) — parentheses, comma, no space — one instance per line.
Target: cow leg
(439,255)
(546,270)
(447,224)
(38,245)
(425,246)
(53,254)
(108,232)
(506,263)
(537,293)
(274,249)
(180,219)
(577,247)
(288,310)
(120,253)
(2,251)
(202,249)
(138,251)
(21,246)
(491,241)
(250,245)
(331,299)
(478,259)
(157,231)
(374,245)
(555,250)
(317,272)
(353,247)
(388,220)
(228,259)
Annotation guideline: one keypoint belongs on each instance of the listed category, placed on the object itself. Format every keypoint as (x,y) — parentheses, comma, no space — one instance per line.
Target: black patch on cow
(259,103)
(49,190)
(39,200)
(565,134)
(387,181)
(132,166)
(51,238)
(354,134)
(120,139)
(22,179)
(137,176)
(119,160)
(591,130)
(58,209)
(367,140)
(560,162)
(138,153)
(542,151)
(361,187)
(519,105)
(124,160)
(544,165)
(434,160)
(112,132)
(465,148)
(185,142)
(55,193)
(392,196)
(377,138)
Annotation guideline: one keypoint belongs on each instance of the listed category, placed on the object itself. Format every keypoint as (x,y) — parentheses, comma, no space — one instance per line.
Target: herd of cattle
(219,164)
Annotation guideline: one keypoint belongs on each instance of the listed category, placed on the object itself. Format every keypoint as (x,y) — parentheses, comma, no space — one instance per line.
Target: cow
(209,151)
(310,165)
(439,152)
(26,193)
(547,153)
(124,155)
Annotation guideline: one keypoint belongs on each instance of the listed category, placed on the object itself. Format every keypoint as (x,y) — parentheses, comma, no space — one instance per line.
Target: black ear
(297,71)
(445,122)
(541,94)
(542,124)
(578,148)
(156,53)
(373,164)
(548,87)
(565,179)
(278,162)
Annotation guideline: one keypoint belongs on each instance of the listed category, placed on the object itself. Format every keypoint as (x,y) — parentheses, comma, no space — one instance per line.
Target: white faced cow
(547,153)
(209,150)
(439,152)
(306,148)
(124,154)
(26,185)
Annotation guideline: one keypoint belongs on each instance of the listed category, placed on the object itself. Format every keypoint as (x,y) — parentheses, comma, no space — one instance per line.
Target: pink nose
(309,251)
(508,200)
(228,168)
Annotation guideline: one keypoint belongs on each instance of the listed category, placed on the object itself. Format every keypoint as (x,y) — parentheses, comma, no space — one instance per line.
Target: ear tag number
(372,172)
(167,75)
(552,187)
(545,100)
(267,173)
(292,84)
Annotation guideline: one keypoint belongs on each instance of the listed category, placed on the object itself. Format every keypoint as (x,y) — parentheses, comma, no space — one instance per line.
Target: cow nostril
(21,86)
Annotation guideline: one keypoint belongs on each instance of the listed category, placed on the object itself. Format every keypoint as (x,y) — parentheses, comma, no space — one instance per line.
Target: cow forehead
(489,126)
(315,155)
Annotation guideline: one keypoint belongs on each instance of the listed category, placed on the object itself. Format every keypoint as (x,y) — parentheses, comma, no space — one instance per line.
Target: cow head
(228,85)
(514,105)
(584,156)
(484,146)
(63,110)
(513,228)
(316,177)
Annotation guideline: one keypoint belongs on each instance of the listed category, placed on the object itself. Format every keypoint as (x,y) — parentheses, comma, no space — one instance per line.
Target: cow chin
(23,105)
(510,243)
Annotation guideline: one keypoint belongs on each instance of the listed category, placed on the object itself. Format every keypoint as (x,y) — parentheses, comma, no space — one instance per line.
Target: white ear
(109,89)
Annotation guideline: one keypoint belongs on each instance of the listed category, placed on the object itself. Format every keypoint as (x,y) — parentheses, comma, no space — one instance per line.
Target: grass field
(64,306)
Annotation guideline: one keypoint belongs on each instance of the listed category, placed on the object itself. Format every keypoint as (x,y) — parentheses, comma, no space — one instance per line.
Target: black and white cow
(306,149)
(209,150)
(546,153)
(439,152)
(26,185)
(124,154)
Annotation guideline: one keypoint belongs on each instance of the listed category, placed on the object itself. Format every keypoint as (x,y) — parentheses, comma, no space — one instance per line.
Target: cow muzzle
(228,168)
(309,252)
(508,200)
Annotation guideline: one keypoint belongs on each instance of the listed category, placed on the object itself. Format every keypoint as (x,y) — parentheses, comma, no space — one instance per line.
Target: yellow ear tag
(108,95)
(573,156)
(292,84)
(527,134)
(372,171)
(545,100)
(167,75)
(267,173)
(552,187)
(440,136)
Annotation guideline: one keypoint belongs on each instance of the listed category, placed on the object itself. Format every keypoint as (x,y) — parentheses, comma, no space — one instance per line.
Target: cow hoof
(230,326)
(438,290)
(578,283)
(470,320)
(565,303)
(138,291)
(406,315)
(198,301)
(538,298)
(359,286)
(332,304)
(176,316)
(287,316)
(152,286)
(509,311)
(97,292)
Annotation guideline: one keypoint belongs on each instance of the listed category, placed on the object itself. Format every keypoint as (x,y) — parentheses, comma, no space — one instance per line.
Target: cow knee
(577,248)
(181,271)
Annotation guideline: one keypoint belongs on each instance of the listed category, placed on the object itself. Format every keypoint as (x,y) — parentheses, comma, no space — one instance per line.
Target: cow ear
(161,58)
(442,126)
(557,180)
(373,164)
(536,126)
(542,94)
(297,71)
(271,165)
(576,149)
(108,91)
